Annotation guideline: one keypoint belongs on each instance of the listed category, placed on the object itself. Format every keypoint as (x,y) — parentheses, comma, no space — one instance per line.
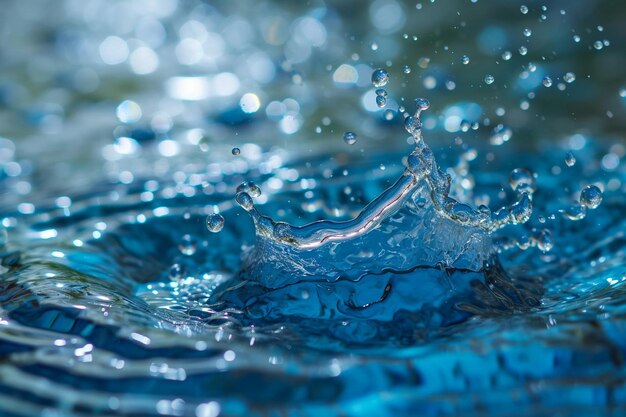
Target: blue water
(466,259)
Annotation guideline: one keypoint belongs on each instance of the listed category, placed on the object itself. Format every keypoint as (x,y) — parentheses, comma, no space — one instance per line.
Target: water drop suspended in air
(465,60)
(350,137)
(522,180)
(570,159)
(569,77)
(236,151)
(591,197)
(523,9)
(244,200)
(187,245)
(215,222)
(489,79)
(380,77)
(381,101)
(406,69)
(547,81)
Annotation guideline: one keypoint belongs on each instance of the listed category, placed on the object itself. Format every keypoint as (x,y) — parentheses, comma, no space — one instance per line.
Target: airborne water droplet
(547,81)
(350,137)
(489,79)
(187,246)
(236,151)
(381,101)
(215,222)
(380,77)
(591,197)
(523,9)
(522,180)
(569,77)
(244,200)
(406,69)
(465,60)
(570,159)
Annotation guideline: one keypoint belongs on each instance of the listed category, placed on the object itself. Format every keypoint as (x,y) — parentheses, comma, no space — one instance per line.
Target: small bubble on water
(591,197)
(569,77)
(381,101)
(547,81)
(522,180)
(465,60)
(380,77)
(187,245)
(406,69)
(215,222)
(527,32)
(236,151)
(506,55)
(570,159)
(350,137)
(489,79)
(523,9)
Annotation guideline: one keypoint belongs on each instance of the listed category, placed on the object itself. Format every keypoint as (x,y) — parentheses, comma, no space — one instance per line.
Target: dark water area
(312,209)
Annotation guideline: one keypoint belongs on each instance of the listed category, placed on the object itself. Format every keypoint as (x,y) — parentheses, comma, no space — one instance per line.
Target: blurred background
(93,90)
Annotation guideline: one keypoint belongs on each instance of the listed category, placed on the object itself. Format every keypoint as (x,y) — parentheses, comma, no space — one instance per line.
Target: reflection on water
(235,208)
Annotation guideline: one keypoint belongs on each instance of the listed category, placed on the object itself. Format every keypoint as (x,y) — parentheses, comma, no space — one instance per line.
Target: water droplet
(523,50)
(350,137)
(591,197)
(187,245)
(381,101)
(500,135)
(523,9)
(465,126)
(389,115)
(465,60)
(598,45)
(380,77)
(412,124)
(236,151)
(381,92)
(506,55)
(244,200)
(422,104)
(406,69)
(215,222)
(576,38)
(176,272)
(544,241)
(547,81)
(249,187)
(527,32)
(489,79)
(570,159)
(522,180)
(569,77)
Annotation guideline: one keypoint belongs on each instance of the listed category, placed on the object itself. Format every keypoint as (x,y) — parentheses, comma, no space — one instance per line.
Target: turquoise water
(229,209)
